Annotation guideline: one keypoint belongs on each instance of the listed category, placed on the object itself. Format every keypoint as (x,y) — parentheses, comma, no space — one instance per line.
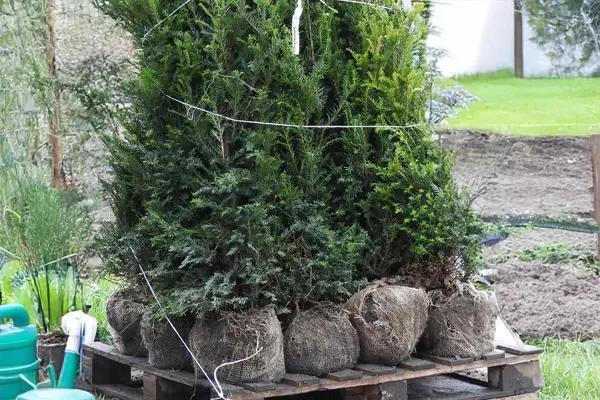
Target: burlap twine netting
(225,337)
(124,313)
(165,349)
(462,324)
(320,340)
(389,320)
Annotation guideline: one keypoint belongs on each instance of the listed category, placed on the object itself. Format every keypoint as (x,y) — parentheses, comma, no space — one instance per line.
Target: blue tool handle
(16,312)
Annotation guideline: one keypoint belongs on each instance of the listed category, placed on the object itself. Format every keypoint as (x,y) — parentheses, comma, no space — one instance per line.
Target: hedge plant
(230,215)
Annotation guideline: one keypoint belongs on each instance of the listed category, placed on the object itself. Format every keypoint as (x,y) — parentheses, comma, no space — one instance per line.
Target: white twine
(258,350)
(366,3)
(328,6)
(284,125)
(165,18)
(216,385)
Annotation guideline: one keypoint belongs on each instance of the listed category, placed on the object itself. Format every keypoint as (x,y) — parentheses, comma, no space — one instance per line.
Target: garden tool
(19,363)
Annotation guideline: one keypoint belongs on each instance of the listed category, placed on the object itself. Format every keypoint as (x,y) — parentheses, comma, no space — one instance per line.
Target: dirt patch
(543,299)
(549,300)
(523,175)
(52,338)
(543,176)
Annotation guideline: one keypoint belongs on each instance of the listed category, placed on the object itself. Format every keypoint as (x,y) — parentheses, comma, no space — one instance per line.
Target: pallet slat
(363,375)
(259,386)
(417,364)
(345,375)
(123,392)
(375,369)
(452,361)
(298,380)
(521,350)
(494,355)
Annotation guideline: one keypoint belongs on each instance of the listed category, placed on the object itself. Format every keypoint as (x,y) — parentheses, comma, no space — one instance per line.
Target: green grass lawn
(571,369)
(533,106)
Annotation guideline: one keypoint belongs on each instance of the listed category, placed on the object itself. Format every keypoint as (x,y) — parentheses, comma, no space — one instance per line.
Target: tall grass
(96,293)
(571,369)
(42,234)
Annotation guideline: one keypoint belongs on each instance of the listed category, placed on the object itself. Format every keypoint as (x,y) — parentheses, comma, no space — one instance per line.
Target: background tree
(568,30)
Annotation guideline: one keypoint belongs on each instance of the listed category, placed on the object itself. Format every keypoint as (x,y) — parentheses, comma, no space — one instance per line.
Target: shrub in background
(42,232)
(229,215)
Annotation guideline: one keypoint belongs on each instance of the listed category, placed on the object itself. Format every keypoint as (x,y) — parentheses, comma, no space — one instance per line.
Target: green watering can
(19,363)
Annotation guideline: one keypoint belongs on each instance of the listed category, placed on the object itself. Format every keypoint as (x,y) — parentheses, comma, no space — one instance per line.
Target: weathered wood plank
(259,386)
(157,388)
(521,350)
(417,364)
(384,391)
(122,392)
(519,378)
(298,380)
(345,375)
(240,393)
(100,370)
(452,361)
(595,144)
(494,355)
(375,369)
(110,353)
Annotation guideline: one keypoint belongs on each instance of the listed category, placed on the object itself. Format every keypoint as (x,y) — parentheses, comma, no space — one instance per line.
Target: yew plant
(230,215)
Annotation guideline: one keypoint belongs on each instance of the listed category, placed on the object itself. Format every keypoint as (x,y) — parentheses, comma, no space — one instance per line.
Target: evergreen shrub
(226,215)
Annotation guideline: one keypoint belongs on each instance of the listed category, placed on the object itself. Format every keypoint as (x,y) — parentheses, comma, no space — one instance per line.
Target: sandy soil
(546,300)
(547,176)
(550,176)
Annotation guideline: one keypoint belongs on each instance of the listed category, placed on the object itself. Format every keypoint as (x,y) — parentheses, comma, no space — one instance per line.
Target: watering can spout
(81,329)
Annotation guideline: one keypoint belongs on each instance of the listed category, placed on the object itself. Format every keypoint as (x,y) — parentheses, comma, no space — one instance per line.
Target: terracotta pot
(51,348)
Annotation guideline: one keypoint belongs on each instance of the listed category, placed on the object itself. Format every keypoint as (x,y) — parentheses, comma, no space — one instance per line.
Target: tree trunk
(54,109)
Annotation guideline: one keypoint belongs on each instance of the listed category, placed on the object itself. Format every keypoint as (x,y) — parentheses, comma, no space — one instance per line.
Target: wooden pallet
(506,372)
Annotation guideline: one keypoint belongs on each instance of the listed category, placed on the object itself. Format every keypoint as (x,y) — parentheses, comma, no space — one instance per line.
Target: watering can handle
(16,312)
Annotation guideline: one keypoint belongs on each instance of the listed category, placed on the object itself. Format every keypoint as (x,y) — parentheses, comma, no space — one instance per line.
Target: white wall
(535,62)
(477,35)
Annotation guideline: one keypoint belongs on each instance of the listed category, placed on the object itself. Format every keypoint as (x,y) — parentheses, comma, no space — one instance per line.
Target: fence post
(519,68)
(595,141)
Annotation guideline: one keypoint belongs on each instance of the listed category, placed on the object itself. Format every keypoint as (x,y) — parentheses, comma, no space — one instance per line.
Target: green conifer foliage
(228,215)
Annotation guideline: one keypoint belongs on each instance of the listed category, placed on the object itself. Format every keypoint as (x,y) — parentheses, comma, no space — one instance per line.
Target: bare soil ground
(522,175)
(544,176)
(542,299)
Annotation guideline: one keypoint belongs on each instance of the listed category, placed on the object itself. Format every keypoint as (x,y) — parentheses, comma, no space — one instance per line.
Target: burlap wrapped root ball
(319,341)
(389,321)
(165,349)
(220,338)
(462,324)
(124,312)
